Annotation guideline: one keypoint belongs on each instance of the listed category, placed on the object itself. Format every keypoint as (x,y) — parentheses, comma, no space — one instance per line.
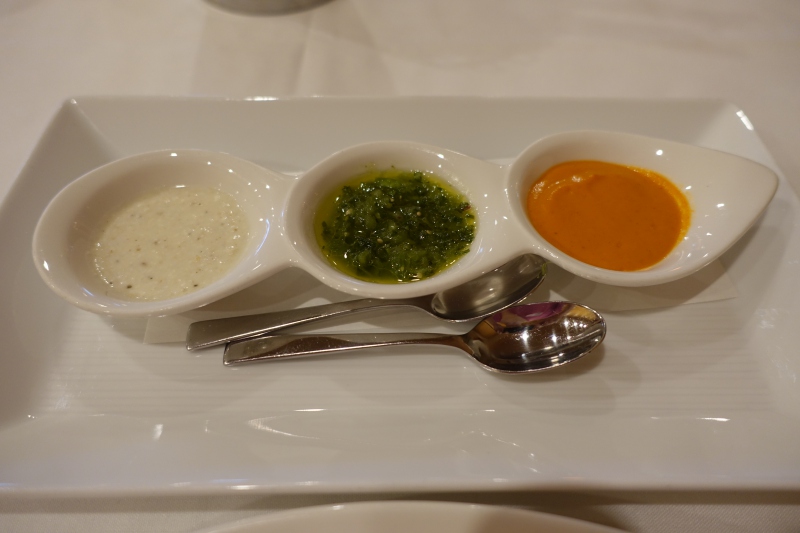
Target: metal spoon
(480,297)
(521,339)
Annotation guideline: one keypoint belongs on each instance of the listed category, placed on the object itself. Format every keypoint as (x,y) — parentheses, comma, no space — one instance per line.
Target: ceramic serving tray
(681,395)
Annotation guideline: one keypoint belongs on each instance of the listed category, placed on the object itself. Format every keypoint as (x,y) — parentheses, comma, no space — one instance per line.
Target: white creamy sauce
(170,243)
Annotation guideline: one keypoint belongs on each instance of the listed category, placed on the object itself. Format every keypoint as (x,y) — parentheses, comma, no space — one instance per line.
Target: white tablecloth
(743,51)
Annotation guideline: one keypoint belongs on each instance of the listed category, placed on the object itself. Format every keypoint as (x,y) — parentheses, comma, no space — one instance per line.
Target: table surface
(741,51)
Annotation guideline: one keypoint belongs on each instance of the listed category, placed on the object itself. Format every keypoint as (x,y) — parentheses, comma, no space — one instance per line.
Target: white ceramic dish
(67,230)
(728,194)
(687,397)
(405,516)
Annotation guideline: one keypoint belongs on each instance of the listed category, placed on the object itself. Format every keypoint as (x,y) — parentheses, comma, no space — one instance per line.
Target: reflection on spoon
(482,296)
(522,339)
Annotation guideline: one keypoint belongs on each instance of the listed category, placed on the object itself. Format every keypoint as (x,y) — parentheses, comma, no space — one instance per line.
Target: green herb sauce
(394,226)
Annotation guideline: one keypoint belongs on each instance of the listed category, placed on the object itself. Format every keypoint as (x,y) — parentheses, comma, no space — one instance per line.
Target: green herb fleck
(395,226)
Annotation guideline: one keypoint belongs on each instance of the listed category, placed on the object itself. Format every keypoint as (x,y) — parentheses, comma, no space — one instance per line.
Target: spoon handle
(208,333)
(284,346)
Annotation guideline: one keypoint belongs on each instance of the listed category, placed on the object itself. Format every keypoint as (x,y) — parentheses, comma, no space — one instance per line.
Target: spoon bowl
(535,337)
(519,340)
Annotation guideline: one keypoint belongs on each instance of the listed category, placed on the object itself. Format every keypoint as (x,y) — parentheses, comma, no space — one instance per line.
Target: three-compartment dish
(726,195)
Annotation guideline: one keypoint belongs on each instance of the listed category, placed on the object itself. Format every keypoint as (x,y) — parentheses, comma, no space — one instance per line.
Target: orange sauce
(608,215)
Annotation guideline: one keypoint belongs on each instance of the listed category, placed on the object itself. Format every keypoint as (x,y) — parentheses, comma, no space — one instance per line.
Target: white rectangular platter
(704,395)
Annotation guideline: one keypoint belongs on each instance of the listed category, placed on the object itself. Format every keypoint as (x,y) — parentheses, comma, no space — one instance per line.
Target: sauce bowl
(67,230)
(727,194)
